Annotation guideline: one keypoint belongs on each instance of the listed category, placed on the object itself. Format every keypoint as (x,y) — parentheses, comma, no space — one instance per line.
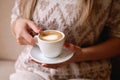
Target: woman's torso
(64,15)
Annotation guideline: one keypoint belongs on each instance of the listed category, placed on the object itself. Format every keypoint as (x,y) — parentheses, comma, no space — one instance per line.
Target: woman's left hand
(75,58)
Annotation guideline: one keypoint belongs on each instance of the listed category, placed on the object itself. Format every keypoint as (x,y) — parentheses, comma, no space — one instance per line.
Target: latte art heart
(50,36)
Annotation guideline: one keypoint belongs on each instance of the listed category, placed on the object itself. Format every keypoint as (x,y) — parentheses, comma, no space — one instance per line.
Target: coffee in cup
(51,36)
(50,42)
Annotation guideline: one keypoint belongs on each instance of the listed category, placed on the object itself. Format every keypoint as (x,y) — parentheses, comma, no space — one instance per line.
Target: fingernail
(66,44)
(39,30)
(30,59)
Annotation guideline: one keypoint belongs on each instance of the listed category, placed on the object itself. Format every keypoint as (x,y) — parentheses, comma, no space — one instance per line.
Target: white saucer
(38,56)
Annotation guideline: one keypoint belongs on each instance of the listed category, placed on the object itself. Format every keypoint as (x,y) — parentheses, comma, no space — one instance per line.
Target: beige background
(8,47)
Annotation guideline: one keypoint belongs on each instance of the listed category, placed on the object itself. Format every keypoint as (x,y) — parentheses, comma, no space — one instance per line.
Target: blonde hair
(87,7)
(27,8)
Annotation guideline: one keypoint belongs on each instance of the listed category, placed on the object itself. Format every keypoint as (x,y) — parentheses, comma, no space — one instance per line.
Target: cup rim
(63,36)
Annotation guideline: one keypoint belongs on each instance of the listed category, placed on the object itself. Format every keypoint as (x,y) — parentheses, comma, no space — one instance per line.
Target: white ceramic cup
(51,49)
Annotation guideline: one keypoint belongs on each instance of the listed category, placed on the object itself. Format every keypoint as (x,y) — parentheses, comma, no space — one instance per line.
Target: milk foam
(51,37)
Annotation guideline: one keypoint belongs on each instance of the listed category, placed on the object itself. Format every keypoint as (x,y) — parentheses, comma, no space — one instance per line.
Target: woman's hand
(77,52)
(24,30)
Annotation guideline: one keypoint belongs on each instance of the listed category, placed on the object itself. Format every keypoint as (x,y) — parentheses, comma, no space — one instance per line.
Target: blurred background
(9,49)
(8,43)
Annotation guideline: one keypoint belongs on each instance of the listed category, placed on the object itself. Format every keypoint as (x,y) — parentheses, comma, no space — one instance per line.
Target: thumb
(33,26)
(69,46)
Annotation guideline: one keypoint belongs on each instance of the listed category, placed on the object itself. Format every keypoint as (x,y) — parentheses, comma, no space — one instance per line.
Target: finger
(50,66)
(34,61)
(35,39)
(69,46)
(28,38)
(22,41)
(31,32)
(33,26)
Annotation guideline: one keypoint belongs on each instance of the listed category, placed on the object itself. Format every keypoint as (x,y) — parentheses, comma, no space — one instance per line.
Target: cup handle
(37,37)
(37,43)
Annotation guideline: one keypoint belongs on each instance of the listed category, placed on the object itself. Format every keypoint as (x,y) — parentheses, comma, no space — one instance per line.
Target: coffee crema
(50,36)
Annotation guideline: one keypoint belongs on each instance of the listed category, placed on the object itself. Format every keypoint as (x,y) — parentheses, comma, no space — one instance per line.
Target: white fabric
(24,75)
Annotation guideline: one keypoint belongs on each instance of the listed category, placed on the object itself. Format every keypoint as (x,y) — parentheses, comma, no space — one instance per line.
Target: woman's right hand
(22,29)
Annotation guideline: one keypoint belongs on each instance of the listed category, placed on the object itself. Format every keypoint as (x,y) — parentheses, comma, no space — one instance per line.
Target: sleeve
(23,8)
(15,11)
(114,19)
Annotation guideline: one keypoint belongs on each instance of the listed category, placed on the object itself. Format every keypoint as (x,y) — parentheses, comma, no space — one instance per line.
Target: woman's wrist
(78,55)
(83,55)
